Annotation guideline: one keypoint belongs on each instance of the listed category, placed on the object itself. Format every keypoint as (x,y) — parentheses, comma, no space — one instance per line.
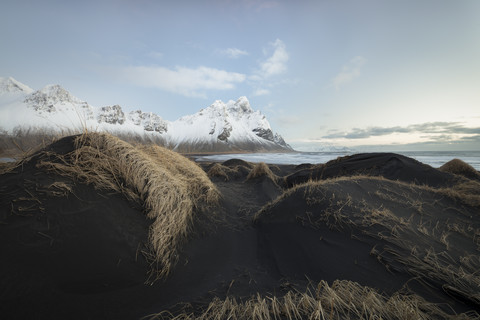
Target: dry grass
(342,300)
(169,186)
(460,278)
(217,170)
(199,185)
(465,191)
(59,189)
(413,233)
(6,167)
(261,169)
(457,166)
(314,191)
(23,142)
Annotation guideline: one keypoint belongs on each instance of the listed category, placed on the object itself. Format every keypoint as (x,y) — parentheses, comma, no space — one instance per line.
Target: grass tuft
(217,170)
(457,166)
(169,186)
(342,300)
(398,215)
(261,169)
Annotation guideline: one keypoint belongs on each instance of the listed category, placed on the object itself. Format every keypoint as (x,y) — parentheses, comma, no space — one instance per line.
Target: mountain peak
(54,98)
(57,93)
(242,105)
(51,95)
(11,85)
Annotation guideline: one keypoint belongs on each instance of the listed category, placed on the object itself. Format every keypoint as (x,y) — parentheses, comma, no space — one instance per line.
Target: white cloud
(277,62)
(182,80)
(261,92)
(233,53)
(255,78)
(427,129)
(349,72)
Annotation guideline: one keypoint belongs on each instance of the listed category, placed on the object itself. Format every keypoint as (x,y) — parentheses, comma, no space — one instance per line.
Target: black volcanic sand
(68,250)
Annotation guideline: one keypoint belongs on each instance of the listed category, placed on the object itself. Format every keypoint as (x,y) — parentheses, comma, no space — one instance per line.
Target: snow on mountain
(222,125)
(51,109)
(55,103)
(231,126)
(148,121)
(111,114)
(10,85)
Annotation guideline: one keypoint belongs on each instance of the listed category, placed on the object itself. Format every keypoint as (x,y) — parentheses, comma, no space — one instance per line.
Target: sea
(433,158)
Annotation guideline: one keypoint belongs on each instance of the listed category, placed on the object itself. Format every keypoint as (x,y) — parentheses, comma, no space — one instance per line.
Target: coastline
(433,158)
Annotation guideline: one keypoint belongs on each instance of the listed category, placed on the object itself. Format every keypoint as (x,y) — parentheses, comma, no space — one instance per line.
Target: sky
(371,74)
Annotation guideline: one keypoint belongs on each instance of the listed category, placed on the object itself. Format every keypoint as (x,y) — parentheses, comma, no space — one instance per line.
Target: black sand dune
(388,165)
(89,234)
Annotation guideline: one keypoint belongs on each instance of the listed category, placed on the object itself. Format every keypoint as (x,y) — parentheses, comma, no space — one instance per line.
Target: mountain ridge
(220,127)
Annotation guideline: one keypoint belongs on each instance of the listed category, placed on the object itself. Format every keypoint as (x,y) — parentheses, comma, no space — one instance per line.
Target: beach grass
(398,217)
(261,169)
(169,187)
(342,299)
(217,170)
(460,167)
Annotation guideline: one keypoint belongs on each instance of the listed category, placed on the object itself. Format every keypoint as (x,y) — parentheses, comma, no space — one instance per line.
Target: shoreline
(434,159)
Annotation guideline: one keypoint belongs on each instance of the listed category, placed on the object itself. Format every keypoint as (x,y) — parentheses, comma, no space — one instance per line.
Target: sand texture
(92,227)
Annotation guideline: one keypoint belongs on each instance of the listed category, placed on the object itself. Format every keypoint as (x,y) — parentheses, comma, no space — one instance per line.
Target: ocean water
(432,158)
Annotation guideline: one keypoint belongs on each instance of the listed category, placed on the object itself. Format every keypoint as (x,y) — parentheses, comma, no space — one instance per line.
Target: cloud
(195,82)
(438,130)
(277,62)
(186,81)
(274,64)
(233,53)
(349,72)
(255,78)
(261,92)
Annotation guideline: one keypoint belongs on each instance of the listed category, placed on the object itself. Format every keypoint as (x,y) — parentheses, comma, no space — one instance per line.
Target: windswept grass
(6,167)
(169,186)
(217,170)
(460,167)
(261,169)
(342,300)
(431,233)
(464,191)
(460,278)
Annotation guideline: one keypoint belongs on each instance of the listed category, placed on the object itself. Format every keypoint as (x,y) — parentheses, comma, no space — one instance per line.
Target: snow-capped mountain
(220,125)
(231,126)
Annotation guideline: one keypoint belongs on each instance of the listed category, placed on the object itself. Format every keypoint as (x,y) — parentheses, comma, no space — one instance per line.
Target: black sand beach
(92,227)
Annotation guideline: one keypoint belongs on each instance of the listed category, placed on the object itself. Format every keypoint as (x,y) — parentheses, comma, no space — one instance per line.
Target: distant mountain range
(221,127)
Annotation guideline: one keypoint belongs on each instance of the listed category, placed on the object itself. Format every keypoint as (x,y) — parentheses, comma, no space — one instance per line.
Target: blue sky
(400,73)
